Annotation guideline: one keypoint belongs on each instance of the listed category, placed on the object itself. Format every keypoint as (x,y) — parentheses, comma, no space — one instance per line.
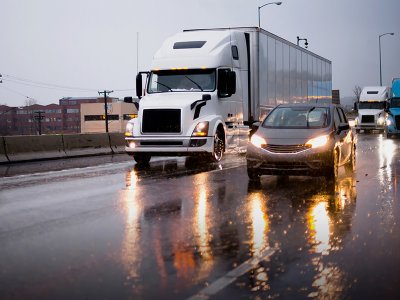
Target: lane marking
(222,282)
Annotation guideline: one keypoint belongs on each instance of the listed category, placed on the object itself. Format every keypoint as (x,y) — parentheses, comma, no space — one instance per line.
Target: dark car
(301,139)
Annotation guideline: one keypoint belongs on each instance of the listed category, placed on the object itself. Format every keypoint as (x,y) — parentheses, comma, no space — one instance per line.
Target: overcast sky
(90,45)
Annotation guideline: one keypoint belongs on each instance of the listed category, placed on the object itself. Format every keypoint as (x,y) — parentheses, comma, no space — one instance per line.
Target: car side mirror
(254,127)
(343,126)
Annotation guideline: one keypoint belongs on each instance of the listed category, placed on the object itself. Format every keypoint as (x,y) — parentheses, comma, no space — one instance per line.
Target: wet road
(177,230)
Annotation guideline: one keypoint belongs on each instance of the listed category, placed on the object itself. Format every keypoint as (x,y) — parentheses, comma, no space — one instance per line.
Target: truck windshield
(395,102)
(371,105)
(297,117)
(194,80)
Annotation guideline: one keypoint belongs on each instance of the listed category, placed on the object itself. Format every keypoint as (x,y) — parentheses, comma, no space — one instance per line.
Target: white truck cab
(371,115)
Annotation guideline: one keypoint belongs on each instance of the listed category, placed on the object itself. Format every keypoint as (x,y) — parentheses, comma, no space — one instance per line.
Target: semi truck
(206,87)
(371,115)
(392,122)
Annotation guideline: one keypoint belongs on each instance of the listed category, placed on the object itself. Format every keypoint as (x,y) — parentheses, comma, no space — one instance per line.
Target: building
(93,116)
(71,110)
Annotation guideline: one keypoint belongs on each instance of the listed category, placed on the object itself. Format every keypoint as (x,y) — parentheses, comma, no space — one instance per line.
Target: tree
(357,93)
(30,101)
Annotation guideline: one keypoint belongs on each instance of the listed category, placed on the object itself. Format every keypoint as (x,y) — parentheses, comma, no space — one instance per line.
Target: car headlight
(129,129)
(318,141)
(201,129)
(257,140)
(381,120)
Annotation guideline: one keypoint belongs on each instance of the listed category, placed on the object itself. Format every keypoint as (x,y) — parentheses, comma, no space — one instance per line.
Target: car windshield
(297,117)
(196,80)
(371,105)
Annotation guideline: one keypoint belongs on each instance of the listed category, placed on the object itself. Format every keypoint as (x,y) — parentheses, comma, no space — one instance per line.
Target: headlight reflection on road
(387,149)
(202,223)
(131,250)
(318,223)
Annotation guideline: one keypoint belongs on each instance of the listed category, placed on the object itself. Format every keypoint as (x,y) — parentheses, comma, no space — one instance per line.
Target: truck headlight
(381,120)
(129,129)
(201,129)
(318,141)
(258,141)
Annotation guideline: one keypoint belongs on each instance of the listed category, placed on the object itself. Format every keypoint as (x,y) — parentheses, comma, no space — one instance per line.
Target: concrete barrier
(3,156)
(117,142)
(86,144)
(33,147)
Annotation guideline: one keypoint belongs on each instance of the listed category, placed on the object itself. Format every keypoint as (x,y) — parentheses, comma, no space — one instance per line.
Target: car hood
(283,136)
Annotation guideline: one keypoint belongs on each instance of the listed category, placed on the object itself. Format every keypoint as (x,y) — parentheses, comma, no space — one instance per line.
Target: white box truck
(207,86)
(371,114)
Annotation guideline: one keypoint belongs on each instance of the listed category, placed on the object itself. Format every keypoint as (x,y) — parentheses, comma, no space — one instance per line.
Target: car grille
(161,121)
(397,121)
(285,166)
(286,148)
(367,119)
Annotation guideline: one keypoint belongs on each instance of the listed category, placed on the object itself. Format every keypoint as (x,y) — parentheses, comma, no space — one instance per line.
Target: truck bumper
(369,127)
(159,146)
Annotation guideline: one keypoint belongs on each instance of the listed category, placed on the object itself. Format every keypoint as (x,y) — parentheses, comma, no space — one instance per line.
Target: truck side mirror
(139,85)
(226,83)
(355,106)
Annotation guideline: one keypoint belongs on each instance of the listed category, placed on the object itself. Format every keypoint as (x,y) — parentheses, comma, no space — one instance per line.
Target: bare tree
(357,93)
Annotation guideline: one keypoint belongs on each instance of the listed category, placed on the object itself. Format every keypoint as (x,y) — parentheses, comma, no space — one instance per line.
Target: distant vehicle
(302,139)
(392,122)
(207,86)
(371,115)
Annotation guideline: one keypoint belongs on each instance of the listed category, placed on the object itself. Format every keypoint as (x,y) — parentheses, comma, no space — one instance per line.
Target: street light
(380,55)
(259,8)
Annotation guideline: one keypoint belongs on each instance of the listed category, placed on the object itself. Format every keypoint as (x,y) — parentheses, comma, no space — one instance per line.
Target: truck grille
(367,119)
(397,121)
(161,121)
(285,148)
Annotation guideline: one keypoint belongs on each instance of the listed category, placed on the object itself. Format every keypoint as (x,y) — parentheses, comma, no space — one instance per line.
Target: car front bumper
(313,162)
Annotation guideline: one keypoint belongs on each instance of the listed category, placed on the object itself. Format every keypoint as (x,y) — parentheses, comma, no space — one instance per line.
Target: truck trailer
(206,87)
(371,115)
(392,122)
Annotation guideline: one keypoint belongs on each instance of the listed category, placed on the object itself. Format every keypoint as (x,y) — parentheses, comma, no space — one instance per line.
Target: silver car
(301,139)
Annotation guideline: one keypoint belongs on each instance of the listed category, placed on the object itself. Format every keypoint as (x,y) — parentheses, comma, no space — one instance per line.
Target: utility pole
(105,93)
(39,118)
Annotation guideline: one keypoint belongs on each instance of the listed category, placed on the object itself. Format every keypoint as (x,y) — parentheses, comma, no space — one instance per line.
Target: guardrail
(39,147)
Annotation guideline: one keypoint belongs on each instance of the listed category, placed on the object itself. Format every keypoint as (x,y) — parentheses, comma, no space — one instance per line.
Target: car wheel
(142,158)
(219,147)
(253,174)
(333,169)
(351,164)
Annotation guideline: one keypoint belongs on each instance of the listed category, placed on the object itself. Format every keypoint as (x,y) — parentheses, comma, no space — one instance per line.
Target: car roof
(308,104)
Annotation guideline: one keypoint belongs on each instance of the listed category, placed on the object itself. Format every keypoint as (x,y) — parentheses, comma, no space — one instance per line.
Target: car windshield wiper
(169,89)
(198,85)
(308,114)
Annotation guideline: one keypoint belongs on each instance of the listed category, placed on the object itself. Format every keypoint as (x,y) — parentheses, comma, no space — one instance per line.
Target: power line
(11,90)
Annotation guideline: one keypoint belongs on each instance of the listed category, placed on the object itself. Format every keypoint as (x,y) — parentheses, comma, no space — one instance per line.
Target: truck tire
(142,158)
(219,146)
(253,174)
(357,130)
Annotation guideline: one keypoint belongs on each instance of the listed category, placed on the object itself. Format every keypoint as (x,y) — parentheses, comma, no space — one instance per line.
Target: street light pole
(259,8)
(380,55)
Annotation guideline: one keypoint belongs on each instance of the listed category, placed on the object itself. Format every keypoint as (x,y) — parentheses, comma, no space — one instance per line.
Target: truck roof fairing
(374,93)
(195,50)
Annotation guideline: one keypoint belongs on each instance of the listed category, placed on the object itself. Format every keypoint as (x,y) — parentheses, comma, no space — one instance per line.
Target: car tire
(333,170)
(351,164)
(142,158)
(253,174)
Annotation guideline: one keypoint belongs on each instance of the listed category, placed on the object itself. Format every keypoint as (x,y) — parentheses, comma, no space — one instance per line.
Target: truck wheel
(219,147)
(142,158)
(333,170)
(357,130)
